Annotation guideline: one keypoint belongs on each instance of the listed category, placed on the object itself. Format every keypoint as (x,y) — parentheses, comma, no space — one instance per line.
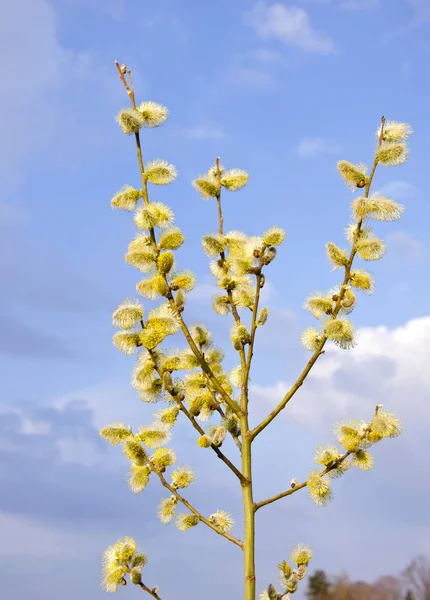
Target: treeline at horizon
(413,583)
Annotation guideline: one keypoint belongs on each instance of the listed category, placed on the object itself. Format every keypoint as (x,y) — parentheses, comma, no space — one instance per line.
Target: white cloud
(26,539)
(290,25)
(312,147)
(404,244)
(398,190)
(388,366)
(205,131)
(38,87)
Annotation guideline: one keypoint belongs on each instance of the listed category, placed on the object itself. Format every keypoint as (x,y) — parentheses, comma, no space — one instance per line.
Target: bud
(219,436)
(180,300)
(269,255)
(262,317)
(293,482)
(167,381)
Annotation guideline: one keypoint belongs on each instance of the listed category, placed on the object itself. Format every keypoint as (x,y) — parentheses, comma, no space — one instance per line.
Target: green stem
(249,514)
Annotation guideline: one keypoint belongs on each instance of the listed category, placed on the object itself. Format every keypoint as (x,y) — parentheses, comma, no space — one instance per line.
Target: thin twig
(191,508)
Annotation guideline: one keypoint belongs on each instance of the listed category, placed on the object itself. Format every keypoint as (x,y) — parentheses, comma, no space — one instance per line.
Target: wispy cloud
(205,131)
(398,190)
(291,25)
(314,147)
(406,246)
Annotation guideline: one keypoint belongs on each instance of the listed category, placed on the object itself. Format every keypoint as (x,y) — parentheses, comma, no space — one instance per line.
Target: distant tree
(193,382)
(417,575)
(318,586)
(409,595)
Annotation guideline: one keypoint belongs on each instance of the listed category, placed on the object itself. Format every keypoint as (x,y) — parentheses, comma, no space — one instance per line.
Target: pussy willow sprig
(193,382)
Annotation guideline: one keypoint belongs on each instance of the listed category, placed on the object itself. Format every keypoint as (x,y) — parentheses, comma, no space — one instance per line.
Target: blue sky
(283,90)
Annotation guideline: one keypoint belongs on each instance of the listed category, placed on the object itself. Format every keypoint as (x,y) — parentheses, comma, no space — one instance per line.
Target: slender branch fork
(319,351)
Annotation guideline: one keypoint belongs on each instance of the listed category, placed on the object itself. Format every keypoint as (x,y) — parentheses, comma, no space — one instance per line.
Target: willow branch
(300,486)
(319,349)
(191,508)
(329,468)
(122,70)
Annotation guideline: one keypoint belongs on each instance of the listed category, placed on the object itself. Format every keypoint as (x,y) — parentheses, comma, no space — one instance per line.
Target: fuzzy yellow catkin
(152,114)
(362,459)
(377,208)
(115,433)
(166,509)
(392,154)
(130,120)
(139,477)
(153,215)
(311,339)
(184,522)
(126,199)
(126,341)
(336,256)
(170,239)
(319,488)
(207,186)
(341,332)
(165,262)
(326,454)
(155,435)
(185,280)
(132,449)
(159,172)
(204,441)
(394,131)
(370,248)
(222,520)
(213,244)
(128,314)
(362,280)
(274,236)
(319,304)
(182,477)
(163,457)
(353,175)
(301,555)
(234,179)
